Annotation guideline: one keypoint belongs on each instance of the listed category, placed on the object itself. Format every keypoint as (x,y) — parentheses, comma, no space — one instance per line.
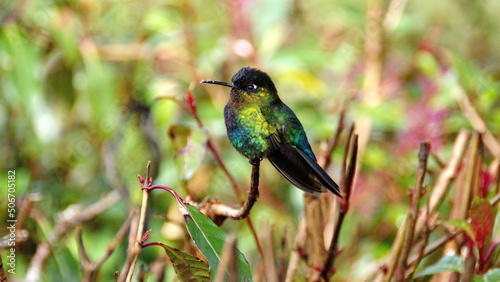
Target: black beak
(218,82)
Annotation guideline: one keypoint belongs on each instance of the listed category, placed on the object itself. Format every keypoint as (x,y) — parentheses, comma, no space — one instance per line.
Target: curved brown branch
(221,211)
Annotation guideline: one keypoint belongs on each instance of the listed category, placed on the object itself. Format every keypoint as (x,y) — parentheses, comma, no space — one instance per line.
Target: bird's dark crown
(248,76)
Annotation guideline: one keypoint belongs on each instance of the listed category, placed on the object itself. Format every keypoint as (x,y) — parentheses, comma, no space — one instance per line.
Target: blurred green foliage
(78,116)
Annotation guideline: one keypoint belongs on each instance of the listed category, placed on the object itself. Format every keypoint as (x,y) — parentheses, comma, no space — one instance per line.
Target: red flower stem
(154,244)
(347,181)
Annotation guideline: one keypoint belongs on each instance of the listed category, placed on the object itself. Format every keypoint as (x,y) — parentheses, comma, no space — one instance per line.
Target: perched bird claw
(255,161)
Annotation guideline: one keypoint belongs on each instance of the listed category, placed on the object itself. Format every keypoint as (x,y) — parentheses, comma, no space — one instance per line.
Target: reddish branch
(348,180)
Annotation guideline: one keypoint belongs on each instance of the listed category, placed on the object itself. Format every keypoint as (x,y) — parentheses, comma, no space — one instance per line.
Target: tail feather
(298,168)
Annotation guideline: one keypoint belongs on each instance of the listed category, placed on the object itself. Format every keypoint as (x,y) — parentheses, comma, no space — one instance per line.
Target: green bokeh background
(78,115)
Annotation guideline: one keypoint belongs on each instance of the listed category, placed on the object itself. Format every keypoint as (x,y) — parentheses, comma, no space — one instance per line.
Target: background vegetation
(79,120)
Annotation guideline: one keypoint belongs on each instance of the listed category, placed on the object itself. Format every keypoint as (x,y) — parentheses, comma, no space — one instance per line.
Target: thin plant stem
(136,246)
(90,268)
(350,172)
(413,210)
(326,161)
(300,237)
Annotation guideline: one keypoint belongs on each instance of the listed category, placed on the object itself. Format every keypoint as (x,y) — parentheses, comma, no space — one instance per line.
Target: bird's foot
(255,161)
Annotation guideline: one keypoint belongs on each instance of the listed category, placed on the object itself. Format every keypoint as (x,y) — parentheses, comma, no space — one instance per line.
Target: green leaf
(446,263)
(461,224)
(492,275)
(210,238)
(187,267)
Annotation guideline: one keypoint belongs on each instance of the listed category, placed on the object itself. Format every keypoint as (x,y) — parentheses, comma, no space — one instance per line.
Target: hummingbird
(259,125)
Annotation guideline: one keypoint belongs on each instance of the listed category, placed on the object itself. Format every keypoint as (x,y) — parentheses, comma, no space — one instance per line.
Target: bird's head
(250,85)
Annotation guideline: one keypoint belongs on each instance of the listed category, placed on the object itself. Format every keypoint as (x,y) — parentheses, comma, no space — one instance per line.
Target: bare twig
(90,268)
(413,211)
(445,177)
(83,255)
(469,267)
(435,199)
(347,147)
(470,176)
(300,238)
(135,247)
(348,180)
(64,226)
(433,247)
(397,247)
(295,256)
(478,123)
(317,256)
(438,160)
(269,262)
(495,199)
(315,243)
(420,253)
(118,238)
(27,206)
(372,94)
(325,159)
(462,198)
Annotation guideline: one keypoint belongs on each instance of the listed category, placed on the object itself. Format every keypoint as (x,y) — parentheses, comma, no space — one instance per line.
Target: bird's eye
(251,87)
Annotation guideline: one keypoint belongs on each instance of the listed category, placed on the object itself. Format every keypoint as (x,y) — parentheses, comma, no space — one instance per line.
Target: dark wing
(298,168)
